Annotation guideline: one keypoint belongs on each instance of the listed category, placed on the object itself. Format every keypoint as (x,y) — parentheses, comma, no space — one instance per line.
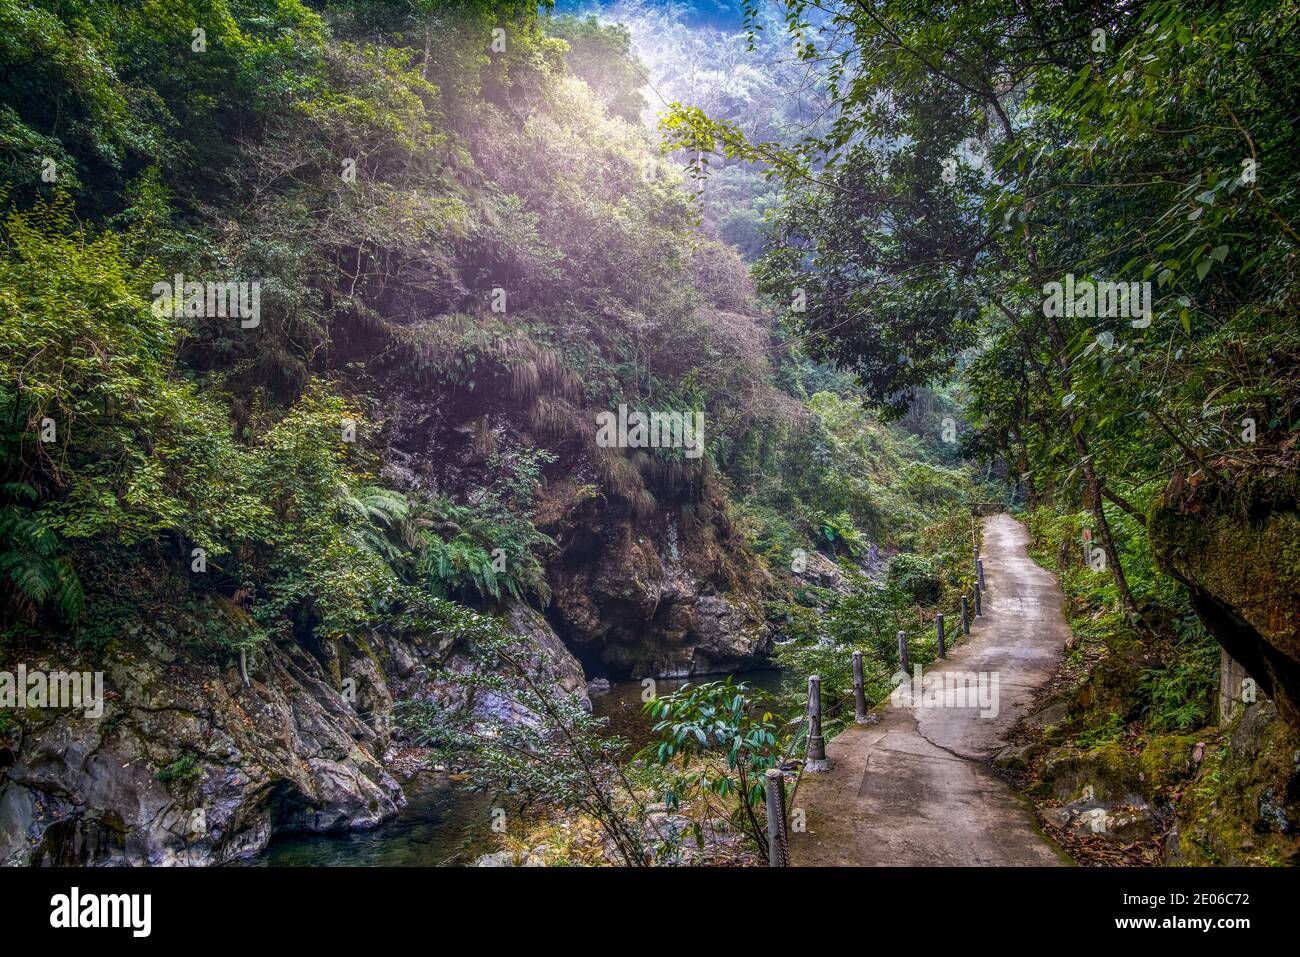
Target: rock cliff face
(189,766)
(1243,808)
(639,610)
(1238,552)
(648,576)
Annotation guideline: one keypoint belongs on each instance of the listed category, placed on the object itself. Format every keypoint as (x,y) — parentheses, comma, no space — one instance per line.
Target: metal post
(859,696)
(938,630)
(965,618)
(978,610)
(778,852)
(979,572)
(816,743)
(902,653)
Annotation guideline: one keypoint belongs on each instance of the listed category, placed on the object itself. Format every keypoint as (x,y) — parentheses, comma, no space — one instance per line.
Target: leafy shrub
(719,739)
(916,578)
(488,550)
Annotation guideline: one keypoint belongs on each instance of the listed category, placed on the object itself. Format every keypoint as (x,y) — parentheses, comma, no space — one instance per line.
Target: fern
(376,514)
(464,565)
(1180,696)
(30,559)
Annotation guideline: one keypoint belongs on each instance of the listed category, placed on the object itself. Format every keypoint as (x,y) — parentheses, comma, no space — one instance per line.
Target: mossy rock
(1243,807)
(1068,773)
(1165,761)
(1252,566)
(1018,758)
(1052,720)
(1237,549)
(1110,688)
(1124,645)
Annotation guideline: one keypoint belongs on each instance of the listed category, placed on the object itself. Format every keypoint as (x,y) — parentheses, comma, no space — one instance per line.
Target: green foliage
(837,532)
(601,54)
(719,740)
(821,641)
(967,146)
(822,629)
(845,480)
(182,771)
(1182,695)
(1177,691)
(29,556)
(488,549)
(916,578)
(375,514)
(1109,730)
(138,453)
(475,169)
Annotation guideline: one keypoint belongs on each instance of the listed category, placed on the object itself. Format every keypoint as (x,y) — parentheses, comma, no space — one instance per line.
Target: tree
(527,740)
(970,146)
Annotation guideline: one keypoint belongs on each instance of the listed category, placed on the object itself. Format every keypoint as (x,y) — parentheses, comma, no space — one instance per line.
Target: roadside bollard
(965,619)
(859,695)
(816,743)
(938,630)
(778,853)
(978,610)
(979,573)
(903,663)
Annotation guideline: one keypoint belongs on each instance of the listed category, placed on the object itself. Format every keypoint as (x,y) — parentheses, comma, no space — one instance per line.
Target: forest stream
(444,823)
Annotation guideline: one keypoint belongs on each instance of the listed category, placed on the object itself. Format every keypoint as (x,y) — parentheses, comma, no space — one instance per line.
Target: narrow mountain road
(916,788)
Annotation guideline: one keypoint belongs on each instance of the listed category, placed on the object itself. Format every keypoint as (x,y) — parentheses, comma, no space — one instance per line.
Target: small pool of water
(443,823)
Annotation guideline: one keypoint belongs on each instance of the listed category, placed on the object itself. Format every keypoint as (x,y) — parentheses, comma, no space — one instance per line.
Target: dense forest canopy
(376,196)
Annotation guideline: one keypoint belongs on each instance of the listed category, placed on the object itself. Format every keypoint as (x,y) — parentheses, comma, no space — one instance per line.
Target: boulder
(188,766)
(1243,805)
(1238,552)
(1117,822)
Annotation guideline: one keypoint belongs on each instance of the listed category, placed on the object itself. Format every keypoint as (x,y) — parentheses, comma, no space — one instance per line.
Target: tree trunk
(1094,487)
(428,48)
(1093,483)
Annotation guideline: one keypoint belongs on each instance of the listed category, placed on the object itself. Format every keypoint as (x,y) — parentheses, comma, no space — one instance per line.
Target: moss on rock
(1165,761)
(1243,807)
(1068,773)
(1238,552)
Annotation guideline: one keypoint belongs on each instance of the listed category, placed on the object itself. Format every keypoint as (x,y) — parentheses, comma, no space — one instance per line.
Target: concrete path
(916,788)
